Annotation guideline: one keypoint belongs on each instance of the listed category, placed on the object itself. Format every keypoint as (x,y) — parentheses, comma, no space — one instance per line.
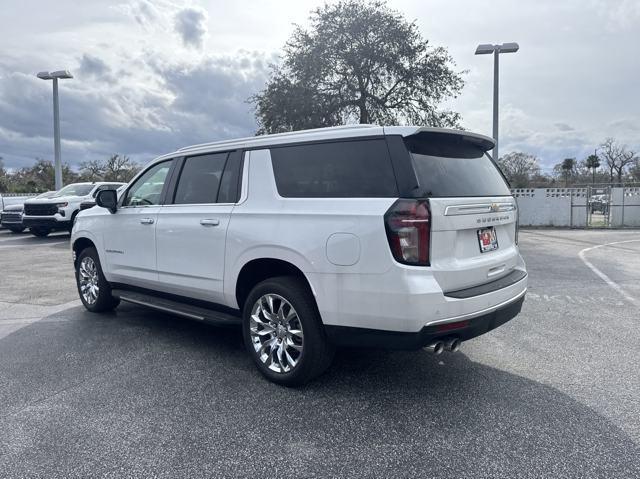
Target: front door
(130,238)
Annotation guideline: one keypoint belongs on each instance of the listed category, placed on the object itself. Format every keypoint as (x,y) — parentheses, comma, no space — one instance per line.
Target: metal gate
(599,206)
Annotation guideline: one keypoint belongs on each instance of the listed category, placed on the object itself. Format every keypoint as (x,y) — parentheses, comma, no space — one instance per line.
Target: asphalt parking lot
(554,393)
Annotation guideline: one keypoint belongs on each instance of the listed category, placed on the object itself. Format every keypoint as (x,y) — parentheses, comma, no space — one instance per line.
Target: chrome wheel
(88,279)
(276,333)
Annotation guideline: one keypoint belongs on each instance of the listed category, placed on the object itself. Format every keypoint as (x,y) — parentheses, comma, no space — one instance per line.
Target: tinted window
(230,184)
(347,169)
(200,179)
(147,190)
(447,165)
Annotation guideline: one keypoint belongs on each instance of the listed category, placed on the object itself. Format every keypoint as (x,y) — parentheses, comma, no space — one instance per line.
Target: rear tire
(283,332)
(94,290)
(40,232)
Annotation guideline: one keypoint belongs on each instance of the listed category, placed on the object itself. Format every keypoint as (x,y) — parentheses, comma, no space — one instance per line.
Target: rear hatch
(473,214)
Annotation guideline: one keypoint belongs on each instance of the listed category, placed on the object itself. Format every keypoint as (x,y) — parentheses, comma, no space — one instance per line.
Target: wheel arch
(258,269)
(80,244)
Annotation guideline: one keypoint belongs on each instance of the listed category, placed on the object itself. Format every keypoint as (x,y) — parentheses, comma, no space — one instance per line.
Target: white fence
(569,207)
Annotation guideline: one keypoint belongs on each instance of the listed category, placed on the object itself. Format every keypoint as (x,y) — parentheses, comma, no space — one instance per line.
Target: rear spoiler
(483,142)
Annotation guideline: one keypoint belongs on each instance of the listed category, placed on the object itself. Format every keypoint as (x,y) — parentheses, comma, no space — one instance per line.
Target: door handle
(209,222)
(146,221)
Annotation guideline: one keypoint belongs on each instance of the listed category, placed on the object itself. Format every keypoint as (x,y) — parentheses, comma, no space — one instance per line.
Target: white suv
(58,212)
(394,237)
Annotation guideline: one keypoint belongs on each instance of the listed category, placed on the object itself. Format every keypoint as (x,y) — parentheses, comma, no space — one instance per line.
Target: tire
(13,229)
(299,340)
(98,297)
(40,232)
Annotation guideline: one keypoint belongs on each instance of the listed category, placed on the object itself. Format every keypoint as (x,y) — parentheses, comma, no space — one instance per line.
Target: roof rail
(275,135)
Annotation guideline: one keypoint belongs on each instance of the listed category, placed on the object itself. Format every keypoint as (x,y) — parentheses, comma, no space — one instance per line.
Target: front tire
(93,288)
(13,229)
(283,332)
(40,232)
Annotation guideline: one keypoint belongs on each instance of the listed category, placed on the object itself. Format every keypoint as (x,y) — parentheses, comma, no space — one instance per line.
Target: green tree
(39,177)
(359,61)
(634,172)
(593,163)
(567,166)
(4,179)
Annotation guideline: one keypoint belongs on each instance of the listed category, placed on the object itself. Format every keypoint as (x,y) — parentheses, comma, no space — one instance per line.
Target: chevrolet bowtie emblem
(495,208)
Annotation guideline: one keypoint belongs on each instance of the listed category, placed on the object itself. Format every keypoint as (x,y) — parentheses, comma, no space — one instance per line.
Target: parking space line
(603,276)
(6,246)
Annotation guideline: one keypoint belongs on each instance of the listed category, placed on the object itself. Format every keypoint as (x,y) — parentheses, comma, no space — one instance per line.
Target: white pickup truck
(44,215)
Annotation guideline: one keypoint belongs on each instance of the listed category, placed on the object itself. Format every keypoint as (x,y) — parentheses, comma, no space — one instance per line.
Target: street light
(485,49)
(60,74)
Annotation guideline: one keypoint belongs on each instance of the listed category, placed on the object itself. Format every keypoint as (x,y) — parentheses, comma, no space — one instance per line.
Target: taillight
(408,225)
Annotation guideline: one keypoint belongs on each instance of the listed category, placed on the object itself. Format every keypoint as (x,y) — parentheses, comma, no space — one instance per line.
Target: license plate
(487,239)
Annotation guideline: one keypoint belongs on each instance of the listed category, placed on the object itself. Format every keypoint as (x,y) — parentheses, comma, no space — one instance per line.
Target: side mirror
(108,199)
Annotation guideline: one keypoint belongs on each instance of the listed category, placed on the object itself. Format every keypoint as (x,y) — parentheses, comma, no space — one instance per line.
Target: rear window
(346,169)
(200,178)
(448,165)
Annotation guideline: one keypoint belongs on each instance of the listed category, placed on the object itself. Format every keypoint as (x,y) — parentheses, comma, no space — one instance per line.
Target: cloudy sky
(155,75)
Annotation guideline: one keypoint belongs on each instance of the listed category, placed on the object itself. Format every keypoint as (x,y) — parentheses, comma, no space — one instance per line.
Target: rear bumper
(44,222)
(463,329)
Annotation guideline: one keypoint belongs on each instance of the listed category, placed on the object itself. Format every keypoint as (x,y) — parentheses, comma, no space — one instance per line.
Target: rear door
(192,226)
(473,215)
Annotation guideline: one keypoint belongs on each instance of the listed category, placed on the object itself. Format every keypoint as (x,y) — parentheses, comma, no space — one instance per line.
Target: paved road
(554,393)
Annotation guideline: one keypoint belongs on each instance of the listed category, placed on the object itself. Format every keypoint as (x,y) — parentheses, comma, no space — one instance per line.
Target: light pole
(60,74)
(485,49)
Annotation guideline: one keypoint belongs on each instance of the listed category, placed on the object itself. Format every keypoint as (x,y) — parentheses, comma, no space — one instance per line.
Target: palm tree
(593,162)
(567,167)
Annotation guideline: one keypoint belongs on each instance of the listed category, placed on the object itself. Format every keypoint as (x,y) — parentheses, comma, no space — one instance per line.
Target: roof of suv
(335,132)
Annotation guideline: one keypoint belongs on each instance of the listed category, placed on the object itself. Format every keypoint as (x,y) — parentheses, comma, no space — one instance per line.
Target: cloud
(144,12)
(191,25)
(93,66)
(564,127)
(163,106)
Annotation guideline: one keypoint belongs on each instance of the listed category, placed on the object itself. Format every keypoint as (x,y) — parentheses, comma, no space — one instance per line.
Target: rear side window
(447,165)
(346,169)
(200,179)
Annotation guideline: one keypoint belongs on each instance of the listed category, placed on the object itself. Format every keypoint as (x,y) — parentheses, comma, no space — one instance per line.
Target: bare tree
(519,168)
(115,168)
(617,157)
(92,170)
(119,168)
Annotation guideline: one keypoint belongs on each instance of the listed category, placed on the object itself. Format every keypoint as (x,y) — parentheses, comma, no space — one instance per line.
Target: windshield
(449,167)
(75,190)
(48,194)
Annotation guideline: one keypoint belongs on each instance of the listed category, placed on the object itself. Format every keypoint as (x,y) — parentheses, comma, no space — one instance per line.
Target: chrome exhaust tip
(452,345)
(435,348)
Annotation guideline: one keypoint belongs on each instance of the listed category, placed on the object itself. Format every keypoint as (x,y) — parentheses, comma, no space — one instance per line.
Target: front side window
(342,169)
(147,190)
(200,179)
